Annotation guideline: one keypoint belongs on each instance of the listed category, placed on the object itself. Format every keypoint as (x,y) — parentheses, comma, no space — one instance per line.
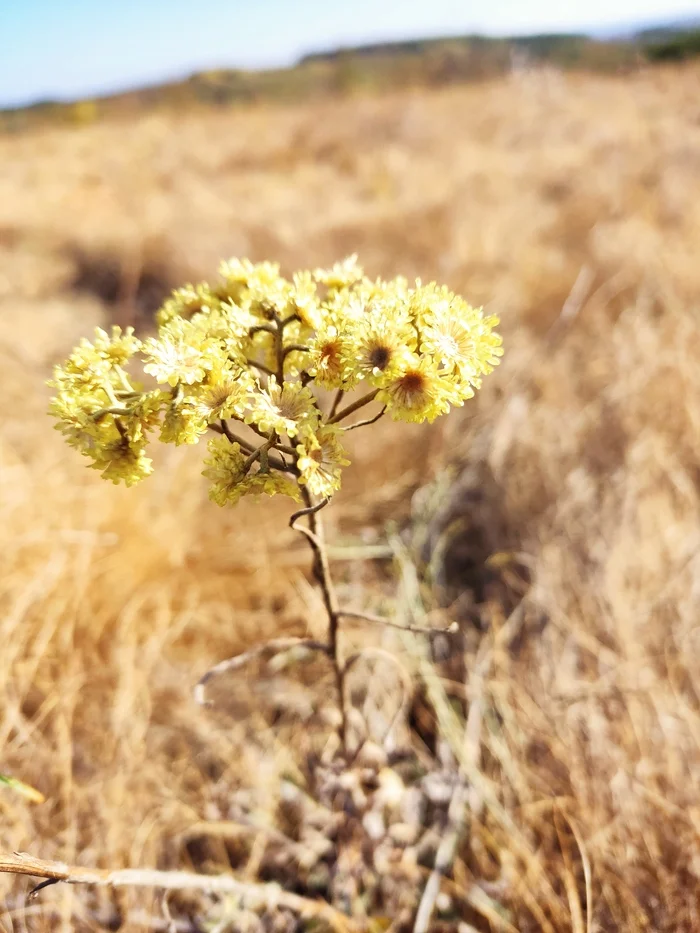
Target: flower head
(123,461)
(225,393)
(286,409)
(186,302)
(173,359)
(93,364)
(256,349)
(304,300)
(382,345)
(229,471)
(460,339)
(321,460)
(328,356)
(419,393)
(343,274)
(184,422)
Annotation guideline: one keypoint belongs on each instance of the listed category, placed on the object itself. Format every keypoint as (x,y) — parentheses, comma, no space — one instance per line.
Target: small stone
(320,878)
(359,799)
(413,807)
(443,903)
(384,858)
(391,789)
(372,756)
(315,847)
(404,834)
(438,788)
(212,811)
(373,823)
(427,847)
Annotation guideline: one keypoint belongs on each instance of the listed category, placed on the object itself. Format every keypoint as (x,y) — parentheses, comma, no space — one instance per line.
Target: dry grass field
(556,518)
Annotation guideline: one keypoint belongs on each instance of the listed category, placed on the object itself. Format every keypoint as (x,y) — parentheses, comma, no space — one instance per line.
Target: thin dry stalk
(314,534)
(256,896)
(240,660)
(451,629)
(464,799)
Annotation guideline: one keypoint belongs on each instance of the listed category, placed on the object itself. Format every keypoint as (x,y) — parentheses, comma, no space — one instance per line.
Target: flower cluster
(260,353)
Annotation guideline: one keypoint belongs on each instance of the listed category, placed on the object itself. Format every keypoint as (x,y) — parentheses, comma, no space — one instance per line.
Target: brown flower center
(379,357)
(330,354)
(412,384)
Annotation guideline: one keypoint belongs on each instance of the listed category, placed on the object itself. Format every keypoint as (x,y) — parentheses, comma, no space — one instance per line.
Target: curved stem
(285,448)
(350,409)
(363,424)
(261,367)
(322,572)
(247,448)
(276,645)
(259,454)
(336,402)
(235,439)
(452,628)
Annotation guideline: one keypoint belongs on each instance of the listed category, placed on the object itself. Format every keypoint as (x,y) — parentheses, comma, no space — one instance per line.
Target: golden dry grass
(580,463)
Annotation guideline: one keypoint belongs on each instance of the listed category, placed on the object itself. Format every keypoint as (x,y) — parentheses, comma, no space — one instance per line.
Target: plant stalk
(322,572)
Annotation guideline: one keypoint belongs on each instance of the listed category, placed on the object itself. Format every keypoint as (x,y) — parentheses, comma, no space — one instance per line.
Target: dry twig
(255,895)
(239,660)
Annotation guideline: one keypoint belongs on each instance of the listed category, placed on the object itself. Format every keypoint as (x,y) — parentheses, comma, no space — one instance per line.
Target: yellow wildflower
(304,300)
(285,409)
(93,364)
(173,359)
(186,302)
(419,393)
(382,346)
(123,460)
(244,273)
(328,358)
(257,348)
(343,274)
(78,424)
(184,423)
(225,394)
(461,340)
(321,460)
(226,467)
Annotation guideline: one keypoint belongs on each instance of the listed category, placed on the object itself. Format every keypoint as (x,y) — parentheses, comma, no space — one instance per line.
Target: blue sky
(72,48)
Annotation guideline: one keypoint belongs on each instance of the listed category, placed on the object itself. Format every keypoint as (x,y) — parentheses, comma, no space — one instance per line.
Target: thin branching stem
(336,402)
(351,409)
(285,448)
(291,347)
(234,438)
(451,629)
(363,424)
(99,415)
(322,572)
(262,328)
(261,367)
(279,351)
(254,895)
(275,645)
(273,461)
(258,454)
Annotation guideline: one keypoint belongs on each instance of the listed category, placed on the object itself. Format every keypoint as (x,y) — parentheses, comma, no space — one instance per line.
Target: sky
(64,49)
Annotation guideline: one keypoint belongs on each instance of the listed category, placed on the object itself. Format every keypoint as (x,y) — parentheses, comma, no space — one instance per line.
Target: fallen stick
(255,895)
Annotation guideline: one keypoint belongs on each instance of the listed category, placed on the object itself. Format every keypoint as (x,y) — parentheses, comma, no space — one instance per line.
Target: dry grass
(579,466)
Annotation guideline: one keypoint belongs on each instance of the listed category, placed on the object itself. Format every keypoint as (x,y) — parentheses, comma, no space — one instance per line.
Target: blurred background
(541,159)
